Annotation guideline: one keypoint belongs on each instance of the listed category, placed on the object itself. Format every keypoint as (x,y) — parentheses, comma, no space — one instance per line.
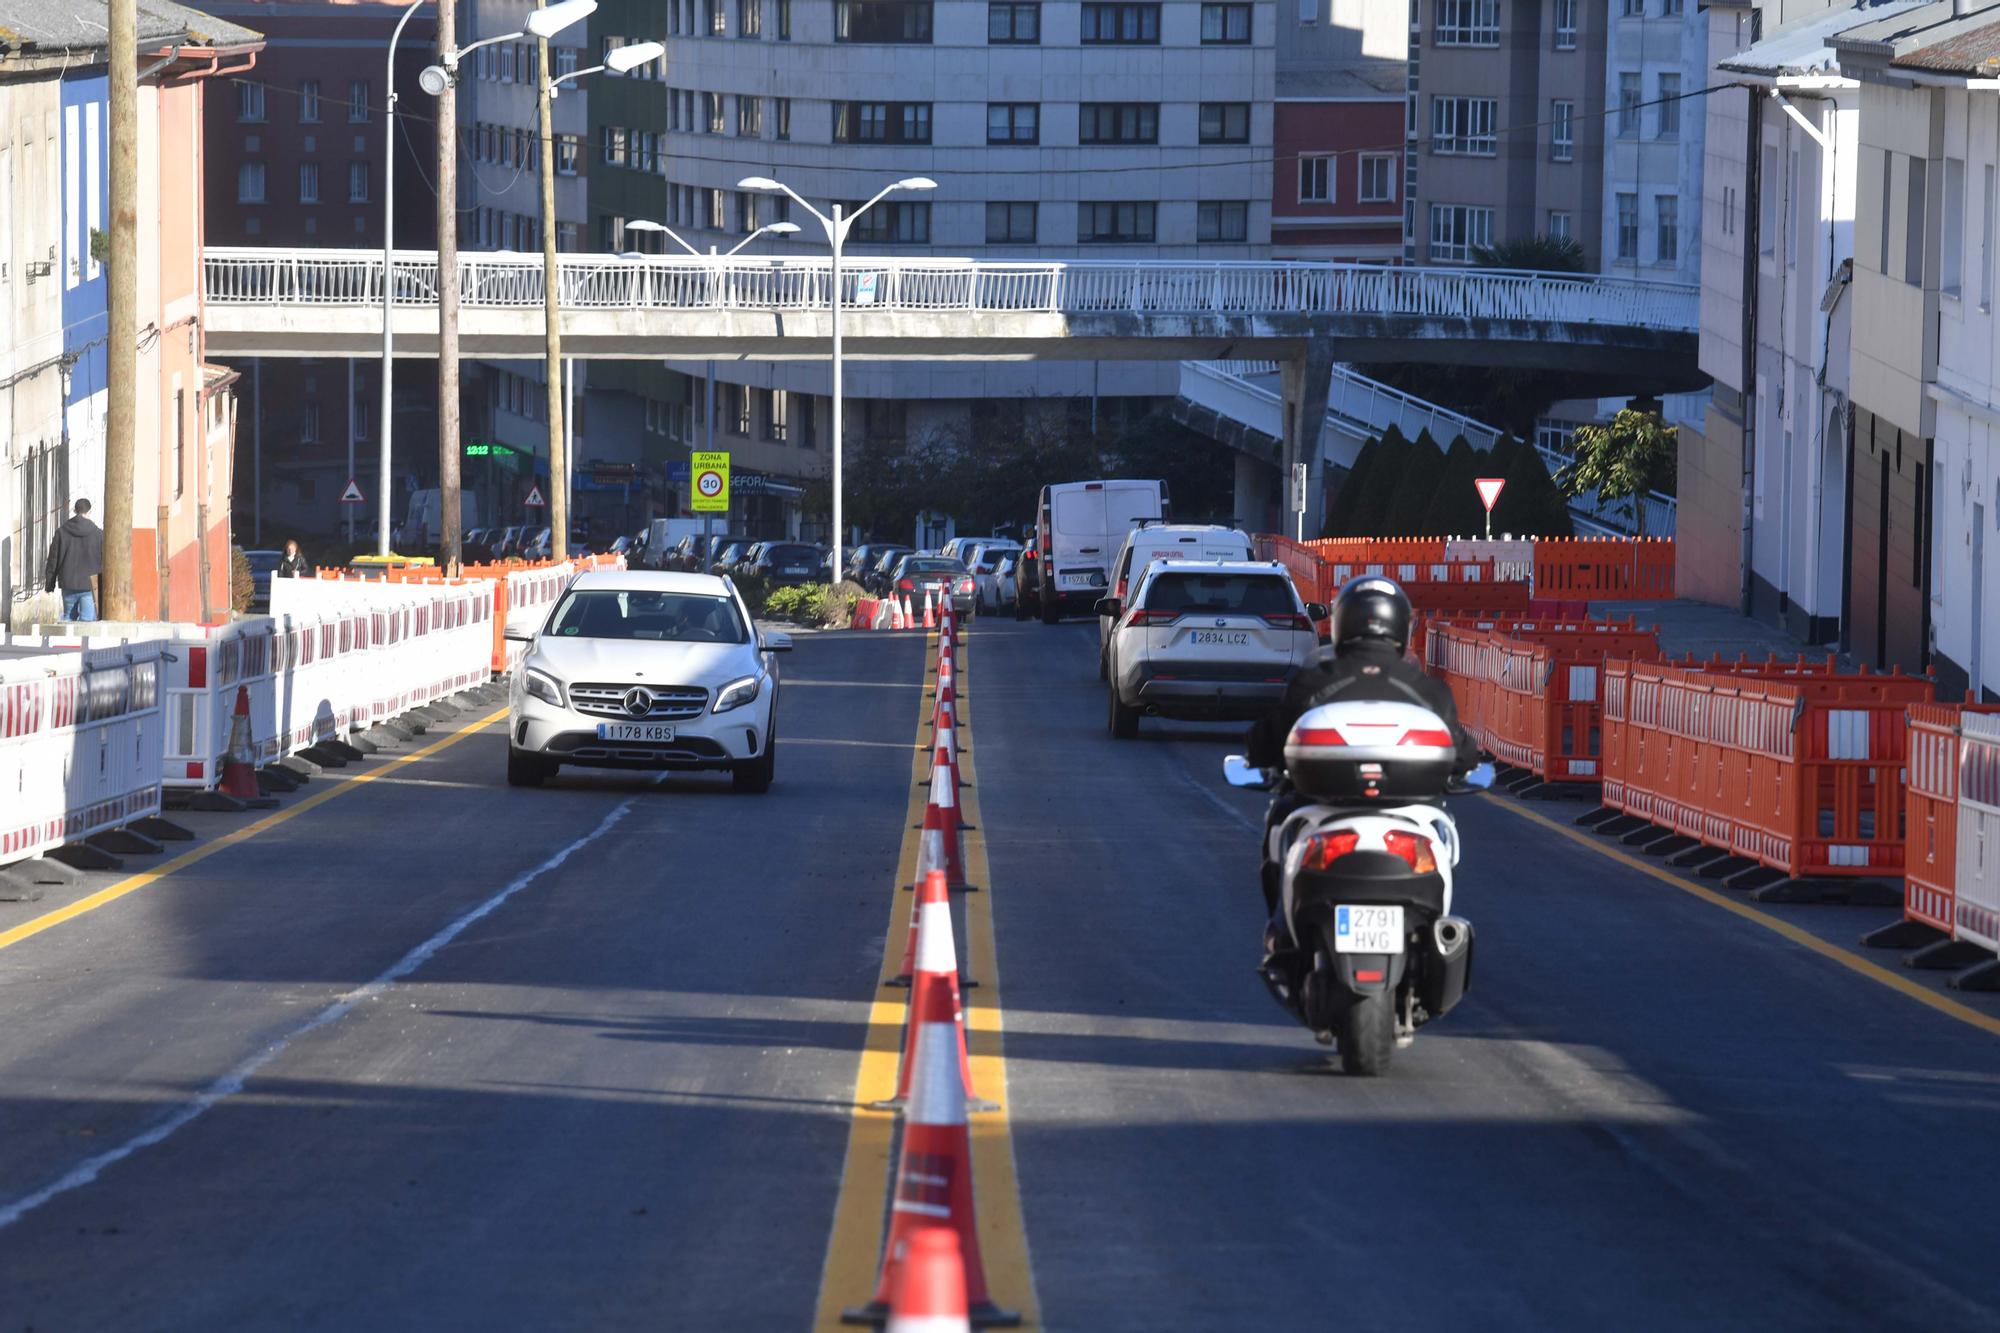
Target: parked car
(745,561)
(877,579)
(1003,581)
(1217,642)
(786,564)
(1027,585)
(727,555)
(983,558)
(861,560)
(511,540)
(645,671)
(690,556)
(262,565)
(918,576)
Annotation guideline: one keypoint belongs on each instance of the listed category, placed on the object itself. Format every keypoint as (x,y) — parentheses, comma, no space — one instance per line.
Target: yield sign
(352,495)
(1489,490)
(534,500)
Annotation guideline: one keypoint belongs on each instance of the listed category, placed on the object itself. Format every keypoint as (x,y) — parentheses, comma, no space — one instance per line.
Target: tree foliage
(1340,514)
(1530,505)
(1422,474)
(1454,509)
(1539,254)
(1635,452)
(1371,507)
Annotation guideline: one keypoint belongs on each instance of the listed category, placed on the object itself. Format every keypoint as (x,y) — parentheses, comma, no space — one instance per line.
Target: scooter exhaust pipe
(1453,936)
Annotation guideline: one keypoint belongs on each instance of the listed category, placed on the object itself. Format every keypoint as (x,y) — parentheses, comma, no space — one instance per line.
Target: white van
(1166,541)
(422,528)
(1079,527)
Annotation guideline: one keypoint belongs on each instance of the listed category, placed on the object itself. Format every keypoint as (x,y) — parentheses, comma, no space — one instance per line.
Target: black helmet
(1371,607)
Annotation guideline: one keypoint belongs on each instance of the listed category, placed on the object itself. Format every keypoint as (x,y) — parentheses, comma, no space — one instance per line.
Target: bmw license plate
(1368,929)
(634,731)
(1221,637)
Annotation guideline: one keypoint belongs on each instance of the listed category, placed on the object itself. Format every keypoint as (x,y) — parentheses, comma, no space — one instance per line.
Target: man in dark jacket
(1371,632)
(76,558)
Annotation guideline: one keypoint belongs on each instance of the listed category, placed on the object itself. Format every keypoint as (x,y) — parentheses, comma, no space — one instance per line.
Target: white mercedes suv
(643,670)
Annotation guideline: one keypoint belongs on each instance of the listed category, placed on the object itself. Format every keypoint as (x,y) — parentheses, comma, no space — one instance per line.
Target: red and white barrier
(1978,875)
(80,742)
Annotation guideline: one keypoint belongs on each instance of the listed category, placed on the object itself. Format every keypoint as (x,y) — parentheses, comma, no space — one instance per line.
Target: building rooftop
(58,25)
(1805,47)
(1966,51)
(1905,35)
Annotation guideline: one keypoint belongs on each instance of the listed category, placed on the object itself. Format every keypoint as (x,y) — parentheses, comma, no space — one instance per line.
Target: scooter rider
(1371,632)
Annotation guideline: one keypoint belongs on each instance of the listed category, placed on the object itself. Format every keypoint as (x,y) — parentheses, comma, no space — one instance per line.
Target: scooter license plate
(1368,929)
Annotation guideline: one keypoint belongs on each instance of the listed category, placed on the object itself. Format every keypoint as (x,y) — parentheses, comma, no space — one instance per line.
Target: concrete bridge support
(1259,497)
(1303,384)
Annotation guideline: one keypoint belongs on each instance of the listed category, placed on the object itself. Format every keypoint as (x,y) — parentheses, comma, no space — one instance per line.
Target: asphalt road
(442,1054)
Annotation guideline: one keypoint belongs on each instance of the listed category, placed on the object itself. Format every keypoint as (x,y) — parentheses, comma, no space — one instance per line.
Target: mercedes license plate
(634,731)
(1368,929)
(1223,637)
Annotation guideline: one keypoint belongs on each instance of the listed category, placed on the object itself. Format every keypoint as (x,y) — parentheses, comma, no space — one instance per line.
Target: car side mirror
(1240,772)
(777,642)
(518,633)
(1316,611)
(1108,606)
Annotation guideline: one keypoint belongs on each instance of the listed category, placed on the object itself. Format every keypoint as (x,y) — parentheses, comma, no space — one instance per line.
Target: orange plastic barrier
(1301,562)
(1380,550)
(1607,567)
(1789,766)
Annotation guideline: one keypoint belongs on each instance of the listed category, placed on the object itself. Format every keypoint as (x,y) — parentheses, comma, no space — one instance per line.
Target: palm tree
(1538,254)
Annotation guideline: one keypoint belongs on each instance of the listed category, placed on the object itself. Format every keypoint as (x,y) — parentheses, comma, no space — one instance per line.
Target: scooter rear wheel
(1368,1035)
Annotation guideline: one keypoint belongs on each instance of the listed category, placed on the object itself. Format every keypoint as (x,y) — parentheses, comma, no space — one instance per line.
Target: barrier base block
(204,802)
(1603,814)
(1904,934)
(18,888)
(1645,838)
(361,745)
(1755,878)
(162,830)
(1518,780)
(124,841)
(1980,977)
(83,856)
(324,755)
(1671,845)
(347,750)
(984,1315)
(42,870)
(1622,825)
(300,766)
(381,738)
(1946,956)
(278,779)
(402,731)
(1698,857)
(1726,865)
(1852,892)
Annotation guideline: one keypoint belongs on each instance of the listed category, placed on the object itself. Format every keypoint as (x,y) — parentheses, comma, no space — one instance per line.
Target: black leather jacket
(1362,671)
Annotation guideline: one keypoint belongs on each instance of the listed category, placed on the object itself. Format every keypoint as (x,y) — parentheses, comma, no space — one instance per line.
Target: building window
(1109,223)
(1667,228)
(1560,226)
(1628,227)
(309,102)
(1670,105)
(1565,25)
(569,147)
(357,102)
(739,415)
(1673,8)
(1309,11)
(1378,178)
(1013,122)
(777,411)
(569,237)
(1562,130)
(309,421)
(882,21)
(1628,104)
(308,182)
(1225,221)
(718,206)
(750,18)
(1118,122)
(718,18)
(566,61)
(1913,237)
(1225,122)
(1463,125)
(250,183)
(881,122)
(1634,9)
(611,145)
(1315,179)
(1467,23)
(1121,25)
(1225,25)
(1458,232)
(712,112)
(782,116)
(250,101)
(1010,224)
(888,222)
(784,20)
(357,182)
(749,117)
(1013,24)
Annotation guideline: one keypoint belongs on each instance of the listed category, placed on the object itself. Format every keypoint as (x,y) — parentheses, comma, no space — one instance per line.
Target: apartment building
(1656,63)
(1337,132)
(297,153)
(1507,125)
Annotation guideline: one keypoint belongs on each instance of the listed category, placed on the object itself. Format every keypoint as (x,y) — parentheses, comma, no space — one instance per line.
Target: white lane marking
(789,681)
(1214,799)
(904,746)
(232,1082)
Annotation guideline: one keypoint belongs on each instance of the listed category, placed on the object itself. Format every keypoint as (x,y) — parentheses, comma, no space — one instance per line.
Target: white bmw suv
(643,670)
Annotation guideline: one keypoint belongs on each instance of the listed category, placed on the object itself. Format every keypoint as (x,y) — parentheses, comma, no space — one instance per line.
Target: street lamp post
(836,228)
(389,283)
(708,401)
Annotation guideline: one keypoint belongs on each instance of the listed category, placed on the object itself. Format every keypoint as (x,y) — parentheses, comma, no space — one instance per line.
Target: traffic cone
(947,674)
(930,609)
(940,830)
(239,767)
(934,1173)
(936,955)
(944,754)
(909,613)
(930,1285)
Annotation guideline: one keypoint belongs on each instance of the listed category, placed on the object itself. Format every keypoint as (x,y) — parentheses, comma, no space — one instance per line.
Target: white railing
(1358,398)
(326,277)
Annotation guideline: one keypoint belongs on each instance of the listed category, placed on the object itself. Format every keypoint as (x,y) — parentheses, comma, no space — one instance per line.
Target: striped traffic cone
(239,766)
(930,1285)
(936,955)
(909,613)
(940,847)
(930,609)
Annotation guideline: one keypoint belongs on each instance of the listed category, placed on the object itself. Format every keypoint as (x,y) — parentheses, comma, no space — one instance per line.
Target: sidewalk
(1700,629)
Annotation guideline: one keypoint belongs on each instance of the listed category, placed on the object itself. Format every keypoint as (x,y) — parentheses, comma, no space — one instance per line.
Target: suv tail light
(1323,849)
(1146,619)
(906,585)
(1414,849)
(1289,620)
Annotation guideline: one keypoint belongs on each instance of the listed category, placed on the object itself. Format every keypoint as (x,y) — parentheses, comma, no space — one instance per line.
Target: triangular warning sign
(1489,490)
(534,500)
(352,495)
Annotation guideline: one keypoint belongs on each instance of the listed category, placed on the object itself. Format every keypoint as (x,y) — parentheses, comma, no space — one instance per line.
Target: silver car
(1215,641)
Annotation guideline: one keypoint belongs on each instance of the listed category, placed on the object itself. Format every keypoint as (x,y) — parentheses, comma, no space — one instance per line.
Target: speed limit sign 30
(710,472)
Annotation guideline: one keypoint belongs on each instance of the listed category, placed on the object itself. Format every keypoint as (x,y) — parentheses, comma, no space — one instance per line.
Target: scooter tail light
(1320,736)
(1438,739)
(1323,849)
(1414,850)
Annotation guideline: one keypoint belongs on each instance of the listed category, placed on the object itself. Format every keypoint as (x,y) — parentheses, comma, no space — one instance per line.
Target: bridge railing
(327,277)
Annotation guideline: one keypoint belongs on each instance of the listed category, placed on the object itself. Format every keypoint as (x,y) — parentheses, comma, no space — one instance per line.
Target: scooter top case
(1356,751)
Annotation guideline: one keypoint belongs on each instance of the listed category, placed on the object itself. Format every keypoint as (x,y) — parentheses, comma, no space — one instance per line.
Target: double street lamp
(836,227)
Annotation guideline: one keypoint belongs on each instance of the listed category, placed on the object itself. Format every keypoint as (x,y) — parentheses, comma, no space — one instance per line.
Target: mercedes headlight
(737,693)
(543,686)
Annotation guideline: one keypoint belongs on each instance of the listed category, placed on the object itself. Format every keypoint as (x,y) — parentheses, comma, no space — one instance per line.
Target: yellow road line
(854,1252)
(1805,938)
(132,884)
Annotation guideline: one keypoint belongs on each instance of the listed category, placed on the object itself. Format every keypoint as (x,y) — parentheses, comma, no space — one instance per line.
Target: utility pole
(449,514)
(551,293)
(122,350)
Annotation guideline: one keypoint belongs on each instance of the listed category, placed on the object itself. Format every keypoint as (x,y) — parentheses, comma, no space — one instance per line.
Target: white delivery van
(1207,542)
(664,534)
(422,526)
(1079,527)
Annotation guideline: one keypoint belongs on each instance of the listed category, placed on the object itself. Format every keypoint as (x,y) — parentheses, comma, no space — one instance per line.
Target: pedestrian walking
(294,565)
(76,558)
